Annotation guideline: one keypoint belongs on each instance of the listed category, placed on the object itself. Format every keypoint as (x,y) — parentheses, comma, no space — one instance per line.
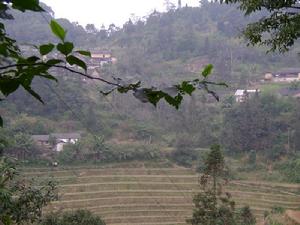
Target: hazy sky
(106,12)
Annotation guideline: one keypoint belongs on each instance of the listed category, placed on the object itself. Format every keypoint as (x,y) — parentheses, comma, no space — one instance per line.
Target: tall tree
(212,206)
(179,4)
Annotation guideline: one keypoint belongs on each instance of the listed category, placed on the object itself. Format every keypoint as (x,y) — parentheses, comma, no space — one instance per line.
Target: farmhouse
(285,76)
(100,58)
(241,95)
(56,141)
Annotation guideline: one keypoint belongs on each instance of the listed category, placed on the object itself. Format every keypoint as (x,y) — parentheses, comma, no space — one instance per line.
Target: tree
(179,4)
(249,126)
(103,34)
(90,28)
(280,21)
(99,148)
(170,6)
(21,201)
(212,205)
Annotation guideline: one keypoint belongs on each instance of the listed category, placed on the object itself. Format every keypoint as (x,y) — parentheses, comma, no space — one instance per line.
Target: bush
(276,152)
(277,210)
(291,170)
(98,152)
(184,156)
(79,217)
(246,217)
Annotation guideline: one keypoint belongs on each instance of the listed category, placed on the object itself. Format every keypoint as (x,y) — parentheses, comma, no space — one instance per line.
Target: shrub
(277,210)
(79,217)
(184,156)
(246,217)
(291,170)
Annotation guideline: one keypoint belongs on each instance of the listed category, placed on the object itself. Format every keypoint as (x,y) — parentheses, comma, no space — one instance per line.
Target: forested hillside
(158,50)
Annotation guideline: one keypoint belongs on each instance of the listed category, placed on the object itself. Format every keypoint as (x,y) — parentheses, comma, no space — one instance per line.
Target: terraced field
(148,196)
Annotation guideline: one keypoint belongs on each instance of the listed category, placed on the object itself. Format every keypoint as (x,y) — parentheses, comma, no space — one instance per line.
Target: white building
(57,140)
(241,95)
(285,76)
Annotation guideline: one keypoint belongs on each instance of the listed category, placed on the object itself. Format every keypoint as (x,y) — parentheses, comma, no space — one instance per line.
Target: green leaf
(33,93)
(72,60)
(8,86)
(54,61)
(207,70)
(46,49)
(176,101)
(85,53)
(23,5)
(57,30)
(49,77)
(32,59)
(187,87)
(65,48)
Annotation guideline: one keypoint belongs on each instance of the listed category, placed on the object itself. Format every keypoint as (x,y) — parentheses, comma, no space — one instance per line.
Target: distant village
(287,76)
(100,58)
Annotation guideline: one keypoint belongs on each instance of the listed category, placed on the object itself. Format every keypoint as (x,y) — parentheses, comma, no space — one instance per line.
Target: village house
(56,141)
(285,76)
(100,58)
(241,95)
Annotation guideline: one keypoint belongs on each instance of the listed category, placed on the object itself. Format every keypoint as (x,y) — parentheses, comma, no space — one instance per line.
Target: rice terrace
(153,196)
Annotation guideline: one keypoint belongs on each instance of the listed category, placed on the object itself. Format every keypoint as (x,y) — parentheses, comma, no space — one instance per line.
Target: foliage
(266,122)
(280,23)
(246,217)
(78,217)
(212,205)
(20,200)
(277,210)
(291,170)
(184,156)
(94,149)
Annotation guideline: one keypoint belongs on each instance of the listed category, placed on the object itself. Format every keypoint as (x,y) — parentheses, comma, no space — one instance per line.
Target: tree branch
(62,67)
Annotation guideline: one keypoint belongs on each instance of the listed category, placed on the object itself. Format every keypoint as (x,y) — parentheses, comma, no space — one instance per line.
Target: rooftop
(40,137)
(57,136)
(241,92)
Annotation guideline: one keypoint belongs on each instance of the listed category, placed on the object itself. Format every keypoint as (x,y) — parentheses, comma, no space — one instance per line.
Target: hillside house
(241,95)
(56,141)
(100,58)
(285,76)
(41,139)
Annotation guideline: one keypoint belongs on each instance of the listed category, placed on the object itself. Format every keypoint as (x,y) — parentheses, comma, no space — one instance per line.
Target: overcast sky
(106,12)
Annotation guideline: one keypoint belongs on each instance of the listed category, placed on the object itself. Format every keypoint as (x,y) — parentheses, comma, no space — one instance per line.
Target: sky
(107,12)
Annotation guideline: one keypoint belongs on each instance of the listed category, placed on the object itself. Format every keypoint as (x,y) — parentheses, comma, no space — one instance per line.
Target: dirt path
(294,216)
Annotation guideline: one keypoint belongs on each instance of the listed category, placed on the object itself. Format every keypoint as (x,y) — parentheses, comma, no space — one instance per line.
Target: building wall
(286,79)
(59,147)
